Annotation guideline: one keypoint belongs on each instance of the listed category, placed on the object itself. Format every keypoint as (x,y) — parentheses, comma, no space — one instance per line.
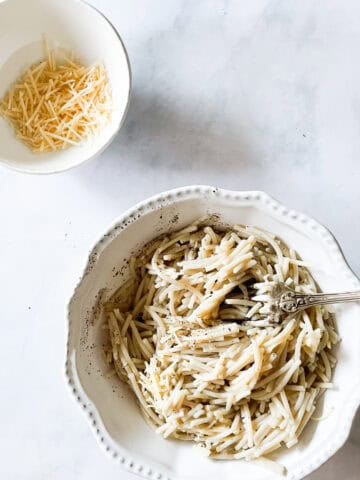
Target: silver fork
(285,301)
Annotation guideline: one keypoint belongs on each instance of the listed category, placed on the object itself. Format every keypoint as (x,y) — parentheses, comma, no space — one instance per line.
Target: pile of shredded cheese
(58,102)
(187,335)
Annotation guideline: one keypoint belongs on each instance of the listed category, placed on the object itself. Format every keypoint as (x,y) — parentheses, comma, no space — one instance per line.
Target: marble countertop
(245,95)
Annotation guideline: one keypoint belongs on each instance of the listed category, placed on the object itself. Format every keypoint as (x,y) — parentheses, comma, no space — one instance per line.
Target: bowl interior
(74,26)
(115,406)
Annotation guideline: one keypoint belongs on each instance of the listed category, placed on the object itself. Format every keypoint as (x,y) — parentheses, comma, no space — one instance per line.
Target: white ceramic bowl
(110,406)
(73,25)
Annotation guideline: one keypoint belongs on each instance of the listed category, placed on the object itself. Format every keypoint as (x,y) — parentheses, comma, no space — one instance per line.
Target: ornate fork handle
(292,302)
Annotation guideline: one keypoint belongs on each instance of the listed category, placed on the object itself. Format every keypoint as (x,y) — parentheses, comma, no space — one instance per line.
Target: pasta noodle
(189,334)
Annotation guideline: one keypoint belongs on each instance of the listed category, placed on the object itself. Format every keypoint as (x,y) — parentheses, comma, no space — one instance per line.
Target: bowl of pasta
(171,355)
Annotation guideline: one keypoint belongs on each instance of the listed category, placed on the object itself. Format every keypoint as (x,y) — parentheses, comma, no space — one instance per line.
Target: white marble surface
(245,95)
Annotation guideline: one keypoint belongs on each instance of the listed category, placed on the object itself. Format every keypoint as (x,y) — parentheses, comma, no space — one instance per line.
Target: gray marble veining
(256,94)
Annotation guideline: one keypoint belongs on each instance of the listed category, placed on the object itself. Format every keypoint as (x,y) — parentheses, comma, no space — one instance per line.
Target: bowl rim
(28,171)
(250,197)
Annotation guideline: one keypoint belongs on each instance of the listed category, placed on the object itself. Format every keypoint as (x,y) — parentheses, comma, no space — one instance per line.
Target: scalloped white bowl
(109,405)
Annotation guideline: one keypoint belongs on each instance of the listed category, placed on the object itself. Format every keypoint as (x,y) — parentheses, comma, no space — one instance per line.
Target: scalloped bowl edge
(117,453)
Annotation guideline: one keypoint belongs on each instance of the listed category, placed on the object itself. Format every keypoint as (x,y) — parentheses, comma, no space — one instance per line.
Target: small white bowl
(73,25)
(109,405)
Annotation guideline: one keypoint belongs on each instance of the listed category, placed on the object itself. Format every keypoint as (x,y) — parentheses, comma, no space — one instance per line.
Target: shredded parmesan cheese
(58,103)
(188,336)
